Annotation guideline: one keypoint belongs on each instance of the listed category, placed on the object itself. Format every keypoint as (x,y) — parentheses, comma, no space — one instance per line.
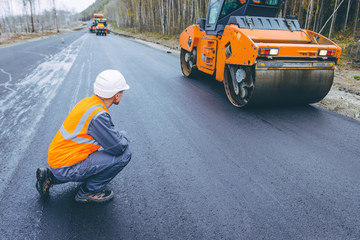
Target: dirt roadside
(7,39)
(344,95)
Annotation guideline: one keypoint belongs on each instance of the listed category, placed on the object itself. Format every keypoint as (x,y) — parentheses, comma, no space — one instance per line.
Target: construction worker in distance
(87,148)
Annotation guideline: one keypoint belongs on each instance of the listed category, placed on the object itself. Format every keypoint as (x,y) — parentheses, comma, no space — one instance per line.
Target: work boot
(100,197)
(44,181)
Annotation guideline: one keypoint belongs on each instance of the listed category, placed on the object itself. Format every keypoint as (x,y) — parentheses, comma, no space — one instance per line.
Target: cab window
(267,2)
(272,2)
(230,6)
(214,10)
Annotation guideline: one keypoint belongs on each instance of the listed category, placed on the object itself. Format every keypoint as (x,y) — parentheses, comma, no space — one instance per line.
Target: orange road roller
(261,59)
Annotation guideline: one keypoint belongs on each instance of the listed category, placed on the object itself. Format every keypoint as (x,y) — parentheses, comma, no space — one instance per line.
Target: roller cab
(260,59)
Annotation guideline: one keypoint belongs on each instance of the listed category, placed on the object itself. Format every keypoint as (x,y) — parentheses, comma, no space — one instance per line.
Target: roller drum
(291,86)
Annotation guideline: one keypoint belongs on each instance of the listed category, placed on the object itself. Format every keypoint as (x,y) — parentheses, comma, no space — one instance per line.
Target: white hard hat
(108,83)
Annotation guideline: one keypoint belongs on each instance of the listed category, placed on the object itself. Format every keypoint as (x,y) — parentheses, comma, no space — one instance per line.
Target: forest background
(166,19)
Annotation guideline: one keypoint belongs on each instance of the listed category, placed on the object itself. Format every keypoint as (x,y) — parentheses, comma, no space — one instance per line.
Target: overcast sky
(78,5)
(70,5)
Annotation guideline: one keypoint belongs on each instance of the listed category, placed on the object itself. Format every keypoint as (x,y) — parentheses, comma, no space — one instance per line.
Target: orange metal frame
(245,44)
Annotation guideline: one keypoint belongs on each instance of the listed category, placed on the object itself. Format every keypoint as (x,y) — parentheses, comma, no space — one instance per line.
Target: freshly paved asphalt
(201,168)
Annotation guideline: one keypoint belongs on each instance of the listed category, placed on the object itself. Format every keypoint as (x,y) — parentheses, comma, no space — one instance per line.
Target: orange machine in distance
(99,25)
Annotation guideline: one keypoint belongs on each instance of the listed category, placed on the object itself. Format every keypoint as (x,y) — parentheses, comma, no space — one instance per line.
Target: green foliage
(357,78)
(96,7)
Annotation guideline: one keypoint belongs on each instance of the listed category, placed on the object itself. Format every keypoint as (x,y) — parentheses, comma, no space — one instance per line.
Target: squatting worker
(88,148)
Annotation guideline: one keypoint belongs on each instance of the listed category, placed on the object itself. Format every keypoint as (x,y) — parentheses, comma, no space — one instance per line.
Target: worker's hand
(125,135)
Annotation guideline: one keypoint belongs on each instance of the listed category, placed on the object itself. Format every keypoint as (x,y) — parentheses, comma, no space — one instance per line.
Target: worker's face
(118,97)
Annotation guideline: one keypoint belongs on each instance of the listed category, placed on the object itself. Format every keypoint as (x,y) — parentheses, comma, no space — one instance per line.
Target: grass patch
(16,37)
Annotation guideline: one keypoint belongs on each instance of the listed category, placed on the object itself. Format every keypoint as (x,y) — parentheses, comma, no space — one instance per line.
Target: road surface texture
(201,168)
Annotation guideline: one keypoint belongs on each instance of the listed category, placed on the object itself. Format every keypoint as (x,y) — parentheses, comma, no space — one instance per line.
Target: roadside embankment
(11,38)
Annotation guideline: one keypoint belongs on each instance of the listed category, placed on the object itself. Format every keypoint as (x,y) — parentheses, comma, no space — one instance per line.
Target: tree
(31,15)
(56,19)
(309,14)
(320,16)
(140,18)
(347,15)
(300,10)
(333,18)
(356,18)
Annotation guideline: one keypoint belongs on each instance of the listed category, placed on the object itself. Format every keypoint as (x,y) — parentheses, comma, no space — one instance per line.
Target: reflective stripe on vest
(73,136)
(72,143)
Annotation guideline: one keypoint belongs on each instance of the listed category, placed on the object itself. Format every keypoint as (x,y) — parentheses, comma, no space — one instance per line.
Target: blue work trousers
(96,171)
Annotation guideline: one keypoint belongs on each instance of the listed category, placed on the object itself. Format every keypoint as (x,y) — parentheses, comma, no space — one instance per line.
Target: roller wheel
(188,61)
(239,84)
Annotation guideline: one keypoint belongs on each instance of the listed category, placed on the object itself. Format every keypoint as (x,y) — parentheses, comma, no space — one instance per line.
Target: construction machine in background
(99,25)
(95,21)
(92,27)
(260,59)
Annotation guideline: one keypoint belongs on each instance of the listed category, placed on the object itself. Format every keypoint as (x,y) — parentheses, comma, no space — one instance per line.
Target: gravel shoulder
(344,96)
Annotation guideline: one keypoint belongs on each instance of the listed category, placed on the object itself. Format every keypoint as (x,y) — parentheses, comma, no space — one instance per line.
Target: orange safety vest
(71,143)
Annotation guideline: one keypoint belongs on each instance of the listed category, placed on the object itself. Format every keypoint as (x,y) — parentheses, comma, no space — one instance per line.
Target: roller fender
(189,38)
(234,48)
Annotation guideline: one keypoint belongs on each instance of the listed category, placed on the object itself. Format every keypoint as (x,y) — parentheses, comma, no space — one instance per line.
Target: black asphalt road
(201,168)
